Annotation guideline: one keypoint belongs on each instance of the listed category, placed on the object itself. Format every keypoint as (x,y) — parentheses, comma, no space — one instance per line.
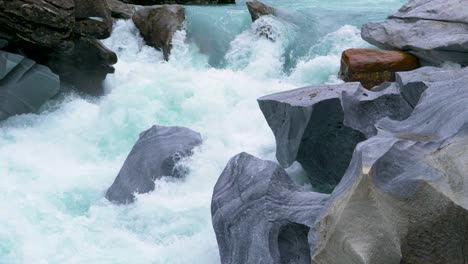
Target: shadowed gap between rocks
(327,145)
(293,244)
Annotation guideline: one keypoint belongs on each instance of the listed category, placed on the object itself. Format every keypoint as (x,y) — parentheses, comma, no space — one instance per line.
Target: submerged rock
(157,25)
(154,155)
(374,67)
(24,85)
(258,9)
(260,215)
(404,197)
(434,31)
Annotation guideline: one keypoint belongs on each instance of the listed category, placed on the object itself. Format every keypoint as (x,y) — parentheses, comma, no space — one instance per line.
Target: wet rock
(85,66)
(154,155)
(258,9)
(374,67)
(404,197)
(24,85)
(434,31)
(93,19)
(36,22)
(157,25)
(61,34)
(260,215)
(120,9)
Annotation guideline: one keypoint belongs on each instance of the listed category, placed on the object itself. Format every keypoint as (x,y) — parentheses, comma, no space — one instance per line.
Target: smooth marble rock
(24,85)
(260,216)
(154,155)
(404,198)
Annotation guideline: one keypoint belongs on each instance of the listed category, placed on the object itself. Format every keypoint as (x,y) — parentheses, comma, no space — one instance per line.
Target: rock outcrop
(24,85)
(157,25)
(404,197)
(319,126)
(155,155)
(260,215)
(58,30)
(258,9)
(434,31)
(374,67)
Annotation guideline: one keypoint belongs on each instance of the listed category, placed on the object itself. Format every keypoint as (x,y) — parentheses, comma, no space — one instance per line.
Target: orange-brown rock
(373,67)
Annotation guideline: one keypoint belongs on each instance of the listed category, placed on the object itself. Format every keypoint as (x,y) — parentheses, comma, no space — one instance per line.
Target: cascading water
(56,166)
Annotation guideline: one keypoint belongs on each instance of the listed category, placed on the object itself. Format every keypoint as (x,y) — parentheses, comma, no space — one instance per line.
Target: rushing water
(56,166)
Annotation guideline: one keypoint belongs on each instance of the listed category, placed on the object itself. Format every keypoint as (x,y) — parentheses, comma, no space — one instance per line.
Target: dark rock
(157,25)
(374,67)
(154,155)
(93,19)
(121,10)
(43,23)
(260,215)
(24,85)
(61,34)
(434,31)
(258,9)
(404,197)
(85,66)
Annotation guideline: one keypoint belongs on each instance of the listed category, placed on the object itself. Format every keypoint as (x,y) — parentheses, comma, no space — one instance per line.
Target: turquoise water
(56,166)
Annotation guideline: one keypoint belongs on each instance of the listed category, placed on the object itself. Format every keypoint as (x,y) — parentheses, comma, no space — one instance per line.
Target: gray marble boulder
(24,85)
(155,155)
(260,216)
(434,31)
(157,25)
(414,83)
(319,126)
(404,198)
(363,108)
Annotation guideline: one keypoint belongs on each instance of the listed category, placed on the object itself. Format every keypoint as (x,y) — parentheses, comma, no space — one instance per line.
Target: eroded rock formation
(24,85)
(260,215)
(403,198)
(155,155)
(434,31)
(319,126)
